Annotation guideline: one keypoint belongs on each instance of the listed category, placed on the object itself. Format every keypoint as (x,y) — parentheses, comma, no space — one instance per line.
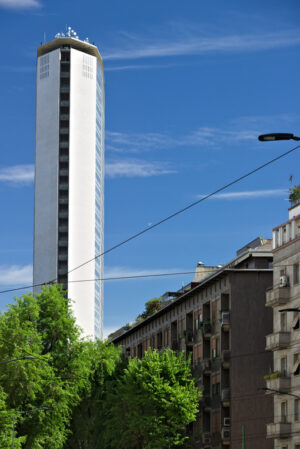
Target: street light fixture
(277,136)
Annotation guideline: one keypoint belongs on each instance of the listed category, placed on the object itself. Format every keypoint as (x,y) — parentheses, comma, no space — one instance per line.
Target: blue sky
(189,86)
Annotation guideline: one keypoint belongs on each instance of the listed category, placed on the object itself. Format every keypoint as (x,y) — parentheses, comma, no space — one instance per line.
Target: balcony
(206,403)
(279,430)
(197,336)
(64,116)
(64,131)
(206,328)
(65,74)
(63,200)
(282,384)
(64,90)
(64,172)
(65,103)
(215,365)
(277,296)
(189,337)
(278,340)
(225,397)
(225,321)
(206,439)
(225,358)
(197,371)
(206,366)
(225,435)
(63,257)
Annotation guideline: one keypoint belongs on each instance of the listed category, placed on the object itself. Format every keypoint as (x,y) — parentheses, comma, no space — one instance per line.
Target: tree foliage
(42,325)
(294,195)
(150,405)
(152,306)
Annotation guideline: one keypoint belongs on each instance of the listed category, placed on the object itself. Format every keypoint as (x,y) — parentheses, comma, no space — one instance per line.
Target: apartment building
(221,319)
(284,382)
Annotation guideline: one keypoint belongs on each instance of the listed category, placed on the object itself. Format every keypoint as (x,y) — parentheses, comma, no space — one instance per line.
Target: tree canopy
(150,405)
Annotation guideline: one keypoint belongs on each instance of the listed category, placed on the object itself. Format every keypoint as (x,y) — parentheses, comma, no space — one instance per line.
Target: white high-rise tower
(69,174)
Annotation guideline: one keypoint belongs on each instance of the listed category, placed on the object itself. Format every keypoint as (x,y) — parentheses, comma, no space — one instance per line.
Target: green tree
(149,406)
(152,306)
(88,421)
(42,325)
(294,195)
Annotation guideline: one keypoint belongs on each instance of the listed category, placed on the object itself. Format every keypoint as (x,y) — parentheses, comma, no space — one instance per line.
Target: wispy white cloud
(140,67)
(203,136)
(17,174)
(136,169)
(20,4)
(250,194)
(15,274)
(135,47)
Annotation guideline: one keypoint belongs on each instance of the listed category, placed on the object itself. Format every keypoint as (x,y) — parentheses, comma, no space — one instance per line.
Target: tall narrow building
(69,174)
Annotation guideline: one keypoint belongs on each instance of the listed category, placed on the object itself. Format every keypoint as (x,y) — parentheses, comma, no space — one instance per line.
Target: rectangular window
(296,273)
(297,409)
(283,322)
(283,410)
(283,366)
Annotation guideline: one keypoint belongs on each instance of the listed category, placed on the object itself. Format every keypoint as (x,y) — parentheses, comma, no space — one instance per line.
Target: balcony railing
(279,430)
(225,358)
(206,439)
(225,396)
(197,336)
(282,384)
(278,340)
(206,366)
(277,296)
(225,435)
(206,327)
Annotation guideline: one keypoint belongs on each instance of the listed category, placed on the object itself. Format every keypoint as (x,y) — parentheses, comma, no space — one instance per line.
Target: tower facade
(69,175)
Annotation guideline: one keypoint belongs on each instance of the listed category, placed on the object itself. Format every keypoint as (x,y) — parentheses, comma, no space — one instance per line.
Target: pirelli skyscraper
(69,174)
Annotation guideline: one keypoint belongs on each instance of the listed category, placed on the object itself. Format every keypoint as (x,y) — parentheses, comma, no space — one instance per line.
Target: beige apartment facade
(284,383)
(221,320)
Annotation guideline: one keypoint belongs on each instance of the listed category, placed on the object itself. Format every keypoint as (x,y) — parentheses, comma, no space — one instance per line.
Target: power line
(120,278)
(169,217)
(184,209)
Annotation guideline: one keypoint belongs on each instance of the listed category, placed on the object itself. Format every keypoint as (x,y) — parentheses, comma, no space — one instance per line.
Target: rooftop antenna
(44,37)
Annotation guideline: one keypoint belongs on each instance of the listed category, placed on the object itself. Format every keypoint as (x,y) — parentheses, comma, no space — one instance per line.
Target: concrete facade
(69,175)
(222,321)
(284,383)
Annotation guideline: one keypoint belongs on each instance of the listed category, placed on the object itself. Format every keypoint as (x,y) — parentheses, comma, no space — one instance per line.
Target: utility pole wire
(189,206)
